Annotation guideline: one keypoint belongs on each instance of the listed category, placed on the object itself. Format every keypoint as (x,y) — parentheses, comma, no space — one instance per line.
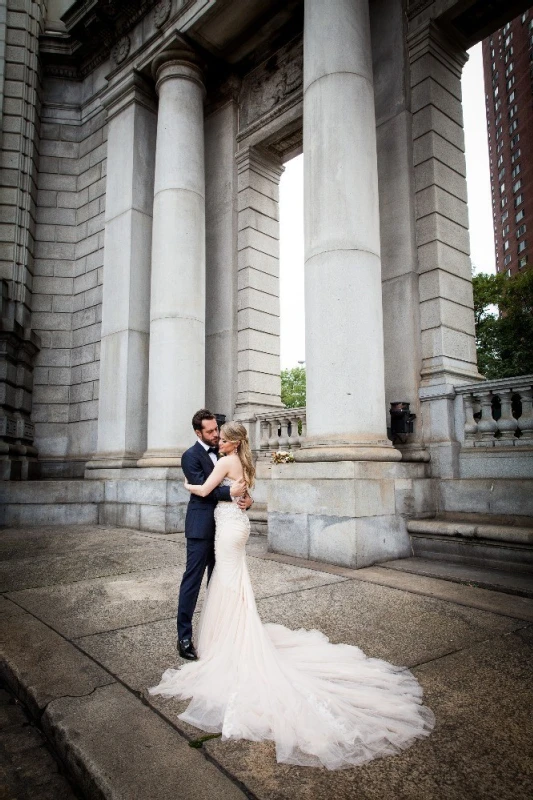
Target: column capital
(178,62)
(133,89)
(258,160)
(431,39)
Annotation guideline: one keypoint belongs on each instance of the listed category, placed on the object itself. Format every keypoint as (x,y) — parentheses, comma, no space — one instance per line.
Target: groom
(197,463)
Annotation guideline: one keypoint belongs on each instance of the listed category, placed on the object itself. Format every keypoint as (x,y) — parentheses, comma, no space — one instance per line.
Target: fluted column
(177,311)
(126,292)
(346,414)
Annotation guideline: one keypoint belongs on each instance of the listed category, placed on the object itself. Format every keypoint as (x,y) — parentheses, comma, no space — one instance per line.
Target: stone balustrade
(280,430)
(498,413)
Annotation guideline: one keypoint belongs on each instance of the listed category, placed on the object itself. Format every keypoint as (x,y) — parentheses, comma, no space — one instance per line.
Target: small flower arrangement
(282,457)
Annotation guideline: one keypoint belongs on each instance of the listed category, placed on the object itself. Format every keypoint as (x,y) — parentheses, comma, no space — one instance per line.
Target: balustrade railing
(498,413)
(280,430)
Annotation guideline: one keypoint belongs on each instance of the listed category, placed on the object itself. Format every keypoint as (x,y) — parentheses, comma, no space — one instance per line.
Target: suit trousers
(200,556)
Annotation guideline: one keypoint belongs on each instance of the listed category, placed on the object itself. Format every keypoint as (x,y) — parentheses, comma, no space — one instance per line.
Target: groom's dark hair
(199,418)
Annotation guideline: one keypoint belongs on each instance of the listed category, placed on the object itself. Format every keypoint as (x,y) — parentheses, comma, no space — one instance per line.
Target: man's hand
(238,488)
(245,502)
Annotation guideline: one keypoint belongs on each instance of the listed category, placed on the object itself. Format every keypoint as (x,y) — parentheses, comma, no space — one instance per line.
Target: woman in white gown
(322,704)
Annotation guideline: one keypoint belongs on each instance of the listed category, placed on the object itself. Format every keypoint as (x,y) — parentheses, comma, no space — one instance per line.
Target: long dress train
(322,704)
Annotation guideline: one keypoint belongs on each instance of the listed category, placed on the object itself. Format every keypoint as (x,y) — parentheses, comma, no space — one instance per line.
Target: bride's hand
(187,486)
(238,488)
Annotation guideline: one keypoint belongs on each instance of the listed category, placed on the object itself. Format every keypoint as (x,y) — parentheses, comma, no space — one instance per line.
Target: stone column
(346,413)
(122,411)
(177,307)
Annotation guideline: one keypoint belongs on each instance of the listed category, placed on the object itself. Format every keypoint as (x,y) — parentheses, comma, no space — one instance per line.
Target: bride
(322,704)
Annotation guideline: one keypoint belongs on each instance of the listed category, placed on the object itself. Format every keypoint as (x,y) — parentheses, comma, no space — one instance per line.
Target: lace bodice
(225,509)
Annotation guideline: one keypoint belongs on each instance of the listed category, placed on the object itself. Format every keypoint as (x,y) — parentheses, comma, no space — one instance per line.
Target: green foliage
(293,387)
(504,340)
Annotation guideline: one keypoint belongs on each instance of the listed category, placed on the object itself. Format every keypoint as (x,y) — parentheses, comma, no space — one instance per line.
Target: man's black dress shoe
(186,649)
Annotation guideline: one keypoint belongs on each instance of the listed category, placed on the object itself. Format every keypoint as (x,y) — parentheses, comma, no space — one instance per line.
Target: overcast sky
(291,214)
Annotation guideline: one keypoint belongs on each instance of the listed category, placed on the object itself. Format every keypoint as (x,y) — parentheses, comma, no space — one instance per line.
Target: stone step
(504,547)
(485,578)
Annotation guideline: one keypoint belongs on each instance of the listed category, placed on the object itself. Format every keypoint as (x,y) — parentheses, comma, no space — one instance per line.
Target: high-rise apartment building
(508,69)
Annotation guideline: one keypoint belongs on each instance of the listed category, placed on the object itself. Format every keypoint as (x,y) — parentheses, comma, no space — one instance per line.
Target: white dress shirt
(212,456)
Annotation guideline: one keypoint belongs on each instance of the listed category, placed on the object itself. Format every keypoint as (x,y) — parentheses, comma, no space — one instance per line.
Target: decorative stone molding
(162,12)
(121,49)
(177,63)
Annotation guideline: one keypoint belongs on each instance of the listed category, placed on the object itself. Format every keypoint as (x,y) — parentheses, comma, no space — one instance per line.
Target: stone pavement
(88,621)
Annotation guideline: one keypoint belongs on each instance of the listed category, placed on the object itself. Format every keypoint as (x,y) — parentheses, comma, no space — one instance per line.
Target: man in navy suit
(197,463)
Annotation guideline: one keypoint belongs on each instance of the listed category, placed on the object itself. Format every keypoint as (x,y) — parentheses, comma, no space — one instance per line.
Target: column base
(161,458)
(352,514)
(112,461)
(314,449)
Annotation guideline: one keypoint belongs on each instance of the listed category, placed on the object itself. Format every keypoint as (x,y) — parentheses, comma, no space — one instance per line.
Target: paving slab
(91,606)
(118,748)
(40,665)
(31,561)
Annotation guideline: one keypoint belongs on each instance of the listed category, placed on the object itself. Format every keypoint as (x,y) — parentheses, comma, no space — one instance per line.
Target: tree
(503,309)
(293,387)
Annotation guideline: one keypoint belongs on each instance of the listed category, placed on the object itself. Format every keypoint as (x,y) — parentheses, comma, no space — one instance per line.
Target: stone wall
(68,285)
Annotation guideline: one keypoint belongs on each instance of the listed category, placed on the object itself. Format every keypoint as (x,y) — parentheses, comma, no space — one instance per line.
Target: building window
(506,245)
(513,126)
(499,132)
(505,230)
(524,17)
(496,92)
(507,259)
(510,83)
(501,174)
(522,262)
(498,119)
(503,202)
(522,246)
(521,214)
(511,97)
(515,140)
(520,231)
(518,200)
(505,216)
(500,160)
(497,104)
(508,54)
(513,111)
(499,147)
(515,156)
(509,69)
(502,188)
(515,171)
(506,28)
(517,186)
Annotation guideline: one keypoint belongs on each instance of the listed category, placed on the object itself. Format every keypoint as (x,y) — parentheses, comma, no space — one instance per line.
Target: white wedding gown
(322,704)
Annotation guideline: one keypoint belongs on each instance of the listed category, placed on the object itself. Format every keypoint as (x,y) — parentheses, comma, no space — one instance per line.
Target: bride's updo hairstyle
(235,432)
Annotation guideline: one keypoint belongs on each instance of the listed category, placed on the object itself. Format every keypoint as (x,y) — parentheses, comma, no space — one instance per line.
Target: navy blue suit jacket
(200,518)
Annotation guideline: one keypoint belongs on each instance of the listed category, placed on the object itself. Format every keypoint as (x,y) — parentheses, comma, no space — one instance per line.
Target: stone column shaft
(177,307)
(126,292)
(346,415)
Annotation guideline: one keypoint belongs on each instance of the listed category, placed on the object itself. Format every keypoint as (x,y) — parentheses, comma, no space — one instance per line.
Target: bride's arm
(219,473)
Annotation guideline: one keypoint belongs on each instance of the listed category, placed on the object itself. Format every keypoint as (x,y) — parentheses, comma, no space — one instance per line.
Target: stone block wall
(67,299)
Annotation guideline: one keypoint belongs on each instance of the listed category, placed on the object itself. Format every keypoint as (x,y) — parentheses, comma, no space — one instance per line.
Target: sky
(479,204)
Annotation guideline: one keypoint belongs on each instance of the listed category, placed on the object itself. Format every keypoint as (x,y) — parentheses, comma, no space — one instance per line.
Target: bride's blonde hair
(235,432)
